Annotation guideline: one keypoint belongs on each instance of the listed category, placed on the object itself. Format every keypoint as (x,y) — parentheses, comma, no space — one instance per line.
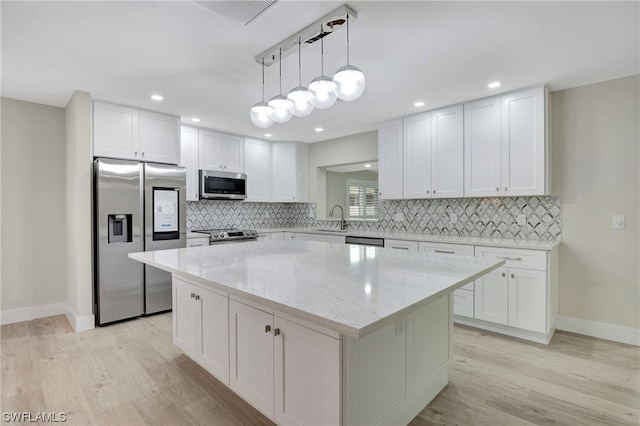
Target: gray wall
(595,170)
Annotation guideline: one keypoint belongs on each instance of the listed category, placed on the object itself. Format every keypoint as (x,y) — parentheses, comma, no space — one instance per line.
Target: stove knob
(215,235)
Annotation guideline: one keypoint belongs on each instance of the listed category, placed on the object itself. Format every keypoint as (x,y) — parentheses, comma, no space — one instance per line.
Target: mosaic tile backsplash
(477,217)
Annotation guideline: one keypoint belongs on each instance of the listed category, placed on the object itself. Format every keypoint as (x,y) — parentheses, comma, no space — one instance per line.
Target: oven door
(247,240)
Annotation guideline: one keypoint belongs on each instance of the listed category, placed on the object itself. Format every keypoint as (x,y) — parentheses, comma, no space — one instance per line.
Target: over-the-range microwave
(216,185)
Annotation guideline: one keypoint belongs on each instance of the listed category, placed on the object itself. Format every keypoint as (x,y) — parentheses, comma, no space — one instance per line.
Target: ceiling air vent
(243,11)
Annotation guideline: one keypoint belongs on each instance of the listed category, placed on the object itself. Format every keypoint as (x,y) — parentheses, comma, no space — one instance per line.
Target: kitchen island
(318,333)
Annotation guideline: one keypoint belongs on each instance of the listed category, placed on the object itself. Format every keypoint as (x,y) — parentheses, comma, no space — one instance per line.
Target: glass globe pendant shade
(324,92)
(261,115)
(349,81)
(282,109)
(302,101)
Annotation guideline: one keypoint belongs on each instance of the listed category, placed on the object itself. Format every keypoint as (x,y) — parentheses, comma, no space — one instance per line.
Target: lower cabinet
(491,297)
(336,239)
(201,327)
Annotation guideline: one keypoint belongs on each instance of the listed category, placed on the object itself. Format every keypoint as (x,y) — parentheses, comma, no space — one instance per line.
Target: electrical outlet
(521,219)
(453,218)
(618,222)
(398,217)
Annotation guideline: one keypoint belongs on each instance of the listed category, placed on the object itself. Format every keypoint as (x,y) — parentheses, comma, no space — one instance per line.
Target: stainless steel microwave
(216,185)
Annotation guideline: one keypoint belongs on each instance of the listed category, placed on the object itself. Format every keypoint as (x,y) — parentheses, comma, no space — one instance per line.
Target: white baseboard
(32,312)
(601,330)
(83,323)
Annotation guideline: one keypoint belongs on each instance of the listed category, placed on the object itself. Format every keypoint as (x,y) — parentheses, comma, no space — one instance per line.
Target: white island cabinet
(366,340)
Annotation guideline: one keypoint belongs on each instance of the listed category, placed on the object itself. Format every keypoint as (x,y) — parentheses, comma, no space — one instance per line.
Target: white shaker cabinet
(505,142)
(447,152)
(492,297)
(251,354)
(198,242)
(290,178)
(390,160)
(132,134)
(417,156)
(334,239)
(258,168)
(220,152)
(400,245)
(189,160)
(201,326)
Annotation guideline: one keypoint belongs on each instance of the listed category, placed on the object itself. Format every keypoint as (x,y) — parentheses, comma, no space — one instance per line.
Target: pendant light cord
(299,61)
(347,39)
(321,50)
(280,62)
(263,79)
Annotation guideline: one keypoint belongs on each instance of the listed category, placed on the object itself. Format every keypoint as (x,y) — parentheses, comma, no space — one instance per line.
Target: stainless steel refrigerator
(137,207)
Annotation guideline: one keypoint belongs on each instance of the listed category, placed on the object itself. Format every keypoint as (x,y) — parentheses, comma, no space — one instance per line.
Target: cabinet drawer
(443,248)
(401,245)
(518,258)
(463,302)
(197,242)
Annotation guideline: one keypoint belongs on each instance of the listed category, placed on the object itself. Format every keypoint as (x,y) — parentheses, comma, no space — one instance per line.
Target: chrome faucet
(343,223)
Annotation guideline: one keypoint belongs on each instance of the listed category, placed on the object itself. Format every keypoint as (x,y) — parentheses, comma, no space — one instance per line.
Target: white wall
(349,149)
(596,137)
(33,211)
(78,198)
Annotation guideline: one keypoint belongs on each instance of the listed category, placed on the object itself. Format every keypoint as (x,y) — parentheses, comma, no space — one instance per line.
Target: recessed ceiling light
(319,129)
(195,119)
(418,104)
(367,166)
(494,85)
(267,135)
(157,97)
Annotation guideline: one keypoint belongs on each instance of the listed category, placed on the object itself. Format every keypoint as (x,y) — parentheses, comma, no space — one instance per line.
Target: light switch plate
(521,219)
(618,222)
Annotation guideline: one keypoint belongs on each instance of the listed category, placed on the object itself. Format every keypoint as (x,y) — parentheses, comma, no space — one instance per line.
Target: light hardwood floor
(131,374)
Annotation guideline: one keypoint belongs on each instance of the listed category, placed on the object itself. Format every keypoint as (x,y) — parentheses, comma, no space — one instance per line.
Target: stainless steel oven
(229,235)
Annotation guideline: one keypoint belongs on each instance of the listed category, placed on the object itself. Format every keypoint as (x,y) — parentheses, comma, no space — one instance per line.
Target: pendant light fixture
(323,88)
(282,107)
(349,80)
(261,112)
(300,95)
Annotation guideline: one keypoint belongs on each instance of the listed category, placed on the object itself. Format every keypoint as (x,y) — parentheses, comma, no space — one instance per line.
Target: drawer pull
(267,328)
(276,332)
(513,276)
(509,258)
(445,251)
(504,275)
(400,248)
(196,245)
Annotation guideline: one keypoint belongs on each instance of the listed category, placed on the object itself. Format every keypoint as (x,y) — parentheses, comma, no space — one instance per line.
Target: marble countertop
(407,236)
(348,288)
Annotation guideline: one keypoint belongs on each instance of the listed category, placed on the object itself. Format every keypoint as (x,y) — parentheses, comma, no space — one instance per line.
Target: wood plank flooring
(131,374)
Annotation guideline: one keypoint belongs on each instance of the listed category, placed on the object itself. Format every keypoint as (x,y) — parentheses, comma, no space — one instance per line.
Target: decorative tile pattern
(477,217)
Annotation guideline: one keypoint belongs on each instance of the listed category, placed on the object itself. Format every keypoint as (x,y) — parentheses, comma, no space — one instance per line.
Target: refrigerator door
(118,221)
(165,227)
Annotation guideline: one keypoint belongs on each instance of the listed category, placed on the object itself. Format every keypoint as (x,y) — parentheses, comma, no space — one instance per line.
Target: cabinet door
(417,156)
(209,150)
(186,317)
(307,376)
(214,343)
(197,242)
(159,138)
(523,143)
(463,302)
(491,296)
(527,299)
(482,148)
(335,239)
(447,154)
(390,160)
(257,166)
(232,154)
(189,159)
(251,355)
(284,172)
(116,131)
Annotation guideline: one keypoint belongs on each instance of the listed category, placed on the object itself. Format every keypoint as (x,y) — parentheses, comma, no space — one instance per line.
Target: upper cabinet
(258,168)
(221,152)
(505,143)
(189,159)
(132,134)
(491,147)
(290,177)
(390,160)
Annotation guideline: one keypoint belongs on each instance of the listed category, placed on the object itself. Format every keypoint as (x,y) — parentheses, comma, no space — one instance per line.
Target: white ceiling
(203,63)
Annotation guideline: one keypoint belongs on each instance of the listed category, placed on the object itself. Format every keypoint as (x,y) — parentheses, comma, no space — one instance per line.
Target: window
(362,199)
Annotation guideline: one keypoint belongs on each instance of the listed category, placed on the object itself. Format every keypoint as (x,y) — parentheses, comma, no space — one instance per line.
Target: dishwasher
(365,241)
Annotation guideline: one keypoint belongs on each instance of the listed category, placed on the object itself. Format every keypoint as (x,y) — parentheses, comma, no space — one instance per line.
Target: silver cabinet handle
(267,328)
(509,258)
(197,297)
(276,331)
(193,295)
(400,248)
(505,188)
(445,251)
(427,191)
(142,153)
(504,275)
(196,245)
(135,153)
(512,276)
(497,189)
